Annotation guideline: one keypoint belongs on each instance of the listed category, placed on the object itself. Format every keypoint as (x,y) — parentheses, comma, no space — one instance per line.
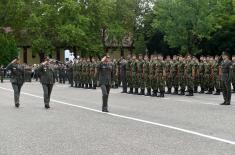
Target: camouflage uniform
(201,71)
(181,77)
(134,71)
(190,75)
(93,70)
(160,75)
(129,76)
(146,77)
(153,77)
(140,76)
(174,74)
(216,77)
(208,77)
(169,77)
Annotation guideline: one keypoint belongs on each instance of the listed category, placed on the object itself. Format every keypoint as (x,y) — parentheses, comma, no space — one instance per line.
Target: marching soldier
(105,79)
(17,79)
(46,70)
(226,70)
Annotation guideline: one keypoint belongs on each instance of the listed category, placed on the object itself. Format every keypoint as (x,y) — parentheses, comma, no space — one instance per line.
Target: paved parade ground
(136,125)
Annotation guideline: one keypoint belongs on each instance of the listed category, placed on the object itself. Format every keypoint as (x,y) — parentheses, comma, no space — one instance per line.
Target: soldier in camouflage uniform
(190,75)
(75,73)
(129,74)
(70,73)
(196,78)
(83,72)
(153,76)
(115,82)
(93,70)
(123,74)
(169,77)
(216,76)
(161,75)
(233,77)
(174,74)
(146,75)
(140,75)
(209,75)
(181,77)
(134,71)
(201,71)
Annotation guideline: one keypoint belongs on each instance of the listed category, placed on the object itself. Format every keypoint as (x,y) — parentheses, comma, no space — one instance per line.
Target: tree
(185,22)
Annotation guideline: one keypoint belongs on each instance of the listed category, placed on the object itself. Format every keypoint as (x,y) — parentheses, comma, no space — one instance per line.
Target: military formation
(153,75)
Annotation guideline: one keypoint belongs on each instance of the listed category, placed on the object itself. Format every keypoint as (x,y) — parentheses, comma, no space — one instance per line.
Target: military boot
(131,91)
(148,92)
(182,92)
(142,92)
(47,106)
(90,86)
(190,93)
(176,91)
(217,92)
(86,86)
(195,89)
(210,91)
(202,91)
(94,86)
(154,93)
(105,104)
(136,91)
(161,94)
(168,91)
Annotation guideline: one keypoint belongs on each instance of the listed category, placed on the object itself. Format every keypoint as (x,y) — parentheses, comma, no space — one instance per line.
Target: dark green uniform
(105,71)
(134,70)
(146,77)
(174,74)
(169,76)
(129,76)
(153,77)
(17,80)
(140,76)
(201,71)
(216,77)
(47,80)
(160,75)
(189,76)
(227,68)
(181,77)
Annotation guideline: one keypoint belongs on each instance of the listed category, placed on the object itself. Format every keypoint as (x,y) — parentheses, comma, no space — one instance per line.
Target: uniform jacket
(17,73)
(47,74)
(105,73)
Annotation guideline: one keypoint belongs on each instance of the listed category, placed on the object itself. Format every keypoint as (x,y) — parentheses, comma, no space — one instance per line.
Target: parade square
(76,125)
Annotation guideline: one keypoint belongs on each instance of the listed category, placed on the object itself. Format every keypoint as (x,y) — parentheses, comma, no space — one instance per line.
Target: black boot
(142,92)
(190,93)
(176,91)
(202,91)
(131,91)
(161,94)
(47,106)
(17,105)
(76,85)
(94,86)
(86,86)
(148,92)
(168,91)
(217,92)
(209,91)
(90,86)
(154,93)
(136,91)
(124,90)
(195,89)
(182,92)
(105,104)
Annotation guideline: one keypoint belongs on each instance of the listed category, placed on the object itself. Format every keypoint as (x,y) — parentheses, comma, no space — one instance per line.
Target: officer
(17,79)
(105,78)
(46,70)
(226,69)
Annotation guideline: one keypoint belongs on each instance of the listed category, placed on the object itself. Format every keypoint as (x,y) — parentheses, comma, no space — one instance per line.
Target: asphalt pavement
(136,125)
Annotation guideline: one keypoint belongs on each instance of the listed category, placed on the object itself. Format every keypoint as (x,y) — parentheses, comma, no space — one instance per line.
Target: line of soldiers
(155,76)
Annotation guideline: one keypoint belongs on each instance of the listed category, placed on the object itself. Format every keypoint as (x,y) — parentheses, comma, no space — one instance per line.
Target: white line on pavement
(134,119)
